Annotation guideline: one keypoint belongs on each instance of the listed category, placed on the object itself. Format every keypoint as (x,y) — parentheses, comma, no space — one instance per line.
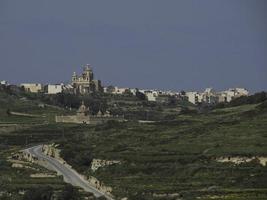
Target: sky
(175,44)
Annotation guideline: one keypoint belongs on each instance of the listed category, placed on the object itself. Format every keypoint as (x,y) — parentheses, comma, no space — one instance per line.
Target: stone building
(83,117)
(210,96)
(53,89)
(85,83)
(32,87)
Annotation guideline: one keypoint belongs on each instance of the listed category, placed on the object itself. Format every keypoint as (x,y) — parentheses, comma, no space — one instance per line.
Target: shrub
(70,193)
(186,110)
(41,193)
(77,155)
(252,99)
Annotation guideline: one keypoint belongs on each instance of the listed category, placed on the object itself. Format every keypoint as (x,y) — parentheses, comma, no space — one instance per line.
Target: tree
(253,99)
(70,193)
(110,89)
(42,193)
(140,95)
(128,92)
(172,101)
(8,112)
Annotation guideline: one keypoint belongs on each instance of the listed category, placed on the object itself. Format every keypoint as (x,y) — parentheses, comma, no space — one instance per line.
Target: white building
(232,93)
(210,96)
(242,91)
(3,82)
(54,89)
(194,97)
(32,87)
(151,95)
(105,89)
(133,91)
(120,90)
(229,95)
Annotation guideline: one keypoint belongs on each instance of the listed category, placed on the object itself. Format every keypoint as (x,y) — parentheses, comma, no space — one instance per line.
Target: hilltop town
(128,143)
(86,84)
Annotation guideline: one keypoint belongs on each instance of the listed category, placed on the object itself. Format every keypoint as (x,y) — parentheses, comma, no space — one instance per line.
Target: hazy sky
(168,44)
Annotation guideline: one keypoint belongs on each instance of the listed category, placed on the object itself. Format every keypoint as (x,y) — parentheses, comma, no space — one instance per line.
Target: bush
(253,99)
(186,110)
(170,117)
(77,155)
(70,193)
(141,96)
(262,106)
(42,193)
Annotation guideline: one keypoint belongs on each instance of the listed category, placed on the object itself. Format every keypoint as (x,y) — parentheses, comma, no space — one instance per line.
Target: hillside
(178,157)
(23,180)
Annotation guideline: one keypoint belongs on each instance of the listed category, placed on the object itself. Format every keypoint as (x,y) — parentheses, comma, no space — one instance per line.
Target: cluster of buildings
(80,84)
(150,94)
(160,95)
(86,84)
(210,96)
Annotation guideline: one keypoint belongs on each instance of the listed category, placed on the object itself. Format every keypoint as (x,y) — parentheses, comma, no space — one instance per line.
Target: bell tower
(88,72)
(74,77)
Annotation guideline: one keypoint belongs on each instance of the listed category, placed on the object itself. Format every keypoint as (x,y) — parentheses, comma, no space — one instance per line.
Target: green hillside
(176,157)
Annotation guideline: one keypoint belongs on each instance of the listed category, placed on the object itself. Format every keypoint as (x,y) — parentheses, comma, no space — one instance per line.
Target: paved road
(70,175)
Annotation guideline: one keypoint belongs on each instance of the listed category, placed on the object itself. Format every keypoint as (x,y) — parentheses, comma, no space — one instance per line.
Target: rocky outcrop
(100,186)
(22,160)
(17,165)
(23,155)
(239,160)
(98,163)
(52,151)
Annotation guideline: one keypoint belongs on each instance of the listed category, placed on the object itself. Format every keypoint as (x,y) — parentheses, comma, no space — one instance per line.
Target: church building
(85,83)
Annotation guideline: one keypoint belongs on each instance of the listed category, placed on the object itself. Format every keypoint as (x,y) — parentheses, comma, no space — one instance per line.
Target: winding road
(70,175)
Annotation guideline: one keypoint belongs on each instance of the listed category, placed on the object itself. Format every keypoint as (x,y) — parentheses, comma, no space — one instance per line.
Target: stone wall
(100,186)
(73,119)
(77,119)
(239,160)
